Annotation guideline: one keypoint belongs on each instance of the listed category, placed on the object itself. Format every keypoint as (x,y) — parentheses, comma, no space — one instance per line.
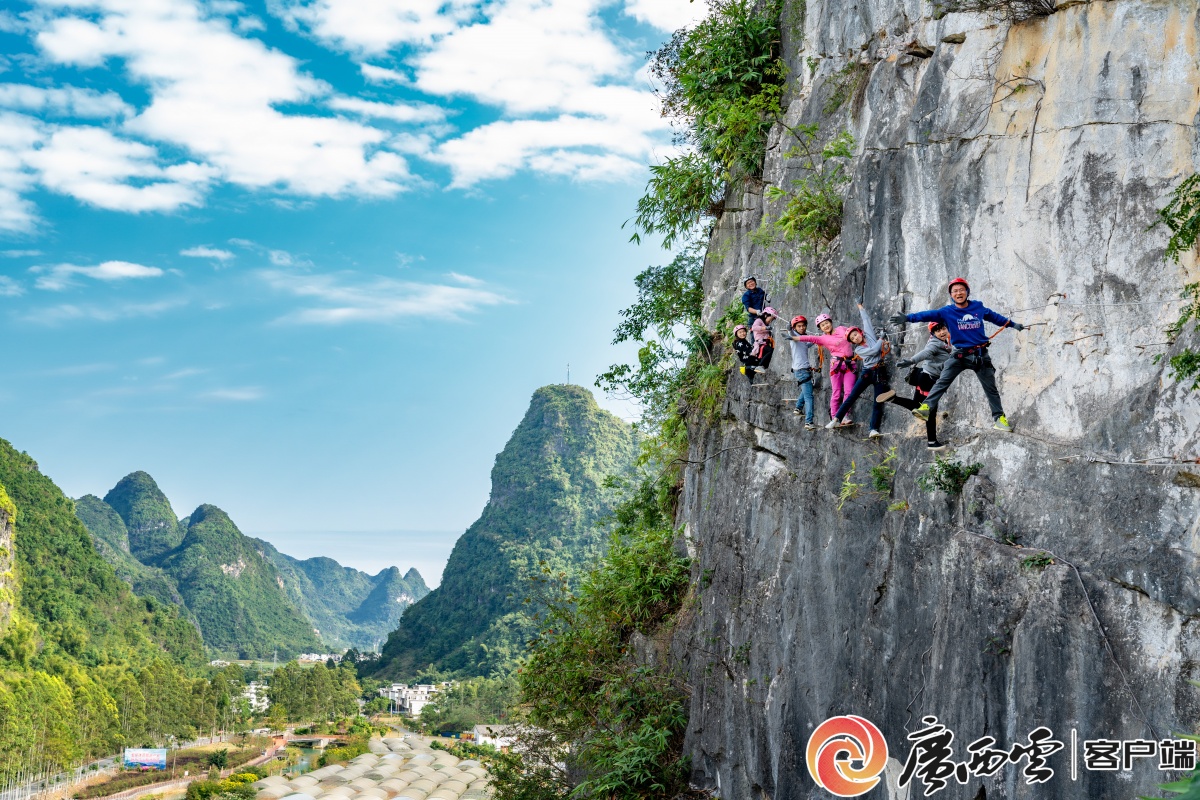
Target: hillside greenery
(112,542)
(470,702)
(548,490)
(349,607)
(234,593)
(1181,215)
(313,694)
(153,529)
(86,665)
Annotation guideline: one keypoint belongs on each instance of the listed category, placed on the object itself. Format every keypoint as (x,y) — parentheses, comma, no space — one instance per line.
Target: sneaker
(935,445)
(797,411)
(1002,424)
(760,369)
(874,434)
(808,426)
(833,423)
(921,411)
(885,396)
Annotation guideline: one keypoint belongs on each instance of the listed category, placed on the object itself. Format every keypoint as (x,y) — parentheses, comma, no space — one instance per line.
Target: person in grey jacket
(869,348)
(932,357)
(806,367)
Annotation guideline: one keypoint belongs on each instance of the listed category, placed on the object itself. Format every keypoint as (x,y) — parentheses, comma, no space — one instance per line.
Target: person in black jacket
(745,353)
(754,299)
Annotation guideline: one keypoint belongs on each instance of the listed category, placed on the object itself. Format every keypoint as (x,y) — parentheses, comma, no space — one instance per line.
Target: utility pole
(568,373)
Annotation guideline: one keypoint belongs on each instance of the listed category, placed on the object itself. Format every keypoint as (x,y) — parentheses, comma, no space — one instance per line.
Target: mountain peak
(151,522)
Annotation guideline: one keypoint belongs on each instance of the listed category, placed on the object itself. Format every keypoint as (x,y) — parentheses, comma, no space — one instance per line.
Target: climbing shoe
(797,411)
(921,411)
(808,426)
(833,423)
(885,396)
(1002,424)
(935,445)
(874,435)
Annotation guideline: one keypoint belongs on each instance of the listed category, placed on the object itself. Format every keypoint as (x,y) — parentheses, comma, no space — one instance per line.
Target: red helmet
(799,318)
(963,281)
(852,330)
(933,326)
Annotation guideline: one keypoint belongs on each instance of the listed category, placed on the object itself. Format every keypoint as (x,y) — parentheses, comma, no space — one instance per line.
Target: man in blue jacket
(754,299)
(964,319)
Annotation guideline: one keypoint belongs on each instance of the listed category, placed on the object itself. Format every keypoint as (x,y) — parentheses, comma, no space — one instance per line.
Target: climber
(869,348)
(744,351)
(964,319)
(764,339)
(753,299)
(806,366)
(932,357)
(842,366)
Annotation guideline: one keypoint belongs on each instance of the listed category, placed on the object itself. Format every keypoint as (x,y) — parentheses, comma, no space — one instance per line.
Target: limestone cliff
(1030,158)
(8,575)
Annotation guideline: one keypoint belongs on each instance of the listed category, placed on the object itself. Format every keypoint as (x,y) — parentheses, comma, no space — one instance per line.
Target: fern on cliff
(1182,215)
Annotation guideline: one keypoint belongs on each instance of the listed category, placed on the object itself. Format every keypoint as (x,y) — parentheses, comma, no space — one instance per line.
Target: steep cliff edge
(805,611)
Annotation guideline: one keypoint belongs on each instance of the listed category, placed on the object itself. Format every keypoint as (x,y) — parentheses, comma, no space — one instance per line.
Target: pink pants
(840,384)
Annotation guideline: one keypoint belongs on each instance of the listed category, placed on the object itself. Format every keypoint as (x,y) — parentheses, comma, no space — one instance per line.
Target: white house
(408,699)
(495,735)
(256,694)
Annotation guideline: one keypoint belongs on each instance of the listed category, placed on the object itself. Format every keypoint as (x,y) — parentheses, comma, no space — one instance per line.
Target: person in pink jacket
(841,363)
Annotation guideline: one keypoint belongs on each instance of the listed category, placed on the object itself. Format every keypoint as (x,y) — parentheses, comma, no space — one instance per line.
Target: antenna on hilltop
(568,373)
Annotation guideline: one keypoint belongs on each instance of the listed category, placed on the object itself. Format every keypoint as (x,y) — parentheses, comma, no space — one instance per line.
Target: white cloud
(667,15)
(9,287)
(60,276)
(527,56)
(240,395)
(581,147)
(215,94)
(66,101)
(92,165)
(18,136)
(375,74)
(281,258)
(374,26)
(204,251)
(69,312)
(398,112)
(19,253)
(347,298)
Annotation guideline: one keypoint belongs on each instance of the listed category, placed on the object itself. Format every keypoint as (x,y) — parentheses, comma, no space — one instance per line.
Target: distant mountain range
(248,599)
(549,490)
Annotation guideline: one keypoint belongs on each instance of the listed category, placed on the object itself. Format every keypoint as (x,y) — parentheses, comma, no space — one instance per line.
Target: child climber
(753,299)
(869,348)
(932,357)
(744,351)
(842,368)
(964,319)
(805,365)
(764,339)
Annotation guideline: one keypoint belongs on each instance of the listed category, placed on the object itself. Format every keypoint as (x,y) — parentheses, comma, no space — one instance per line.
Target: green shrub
(722,82)
(883,473)
(812,216)
(1037,561)
(947,476)
(1182,216)
(617,723)
(848,84)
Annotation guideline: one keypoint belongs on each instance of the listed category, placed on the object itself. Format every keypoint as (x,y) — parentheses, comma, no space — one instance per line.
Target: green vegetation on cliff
(153,529)
(235,594)
(86,666)
(112,542)
(81,609)
(548,491)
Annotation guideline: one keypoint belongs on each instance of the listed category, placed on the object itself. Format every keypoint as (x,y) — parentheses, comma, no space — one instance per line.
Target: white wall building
(495,735)
(256,694)
(408,699)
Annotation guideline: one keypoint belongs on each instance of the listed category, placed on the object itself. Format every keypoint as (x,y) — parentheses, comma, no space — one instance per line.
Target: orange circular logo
(846,755)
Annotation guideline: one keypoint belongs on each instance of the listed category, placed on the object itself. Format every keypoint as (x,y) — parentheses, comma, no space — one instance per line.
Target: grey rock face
(806,611)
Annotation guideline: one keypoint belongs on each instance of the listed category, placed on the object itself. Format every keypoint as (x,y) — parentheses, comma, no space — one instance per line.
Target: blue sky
(308,259)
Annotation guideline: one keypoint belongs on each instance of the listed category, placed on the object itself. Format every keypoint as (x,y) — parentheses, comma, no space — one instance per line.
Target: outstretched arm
(868,329)
(1001,320)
